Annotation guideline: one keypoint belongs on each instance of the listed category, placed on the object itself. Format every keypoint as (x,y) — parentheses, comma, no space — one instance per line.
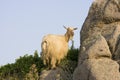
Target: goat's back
(56,45)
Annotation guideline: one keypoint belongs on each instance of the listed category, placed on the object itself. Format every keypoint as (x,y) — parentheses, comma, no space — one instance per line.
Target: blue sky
(23,23)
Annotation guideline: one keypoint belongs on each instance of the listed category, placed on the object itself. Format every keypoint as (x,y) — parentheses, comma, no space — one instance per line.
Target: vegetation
(29,67)
(69,64)
(21,67)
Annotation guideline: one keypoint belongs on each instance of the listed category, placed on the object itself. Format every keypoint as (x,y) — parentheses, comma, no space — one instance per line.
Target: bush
(73,54)
(22,67)
(69,64)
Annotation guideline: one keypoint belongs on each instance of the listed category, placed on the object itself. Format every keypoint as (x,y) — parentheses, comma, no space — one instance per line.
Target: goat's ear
(75,28)
(65,27)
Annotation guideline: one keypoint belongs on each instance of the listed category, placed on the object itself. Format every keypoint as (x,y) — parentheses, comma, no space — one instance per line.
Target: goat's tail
(44,53)
(44,47)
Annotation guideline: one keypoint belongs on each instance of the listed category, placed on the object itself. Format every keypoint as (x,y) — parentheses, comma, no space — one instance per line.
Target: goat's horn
(65,27)
(75,28)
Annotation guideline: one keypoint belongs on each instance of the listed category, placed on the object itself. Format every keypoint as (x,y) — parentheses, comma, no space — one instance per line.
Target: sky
(23,23)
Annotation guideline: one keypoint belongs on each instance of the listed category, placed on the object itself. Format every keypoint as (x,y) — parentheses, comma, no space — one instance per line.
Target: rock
(112,11)
(56,74)
(117,52)
(50,75)
(103,19)
(114,39)
(97,69)
(100,40)
(102,14)
(112,35)
(96,47)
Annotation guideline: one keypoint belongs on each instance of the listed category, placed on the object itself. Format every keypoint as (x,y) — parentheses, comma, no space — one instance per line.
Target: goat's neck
(67,37)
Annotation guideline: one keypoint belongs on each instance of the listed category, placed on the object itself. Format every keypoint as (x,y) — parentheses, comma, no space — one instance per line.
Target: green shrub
(73,54)
(22,66)
(68,64)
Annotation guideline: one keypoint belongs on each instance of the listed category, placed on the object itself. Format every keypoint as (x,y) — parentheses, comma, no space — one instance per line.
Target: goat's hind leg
(53,63)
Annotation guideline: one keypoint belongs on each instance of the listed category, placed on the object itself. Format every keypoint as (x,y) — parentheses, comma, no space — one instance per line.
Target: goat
(55,47)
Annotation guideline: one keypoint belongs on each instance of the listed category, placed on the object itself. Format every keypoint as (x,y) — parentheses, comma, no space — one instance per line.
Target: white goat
(55,47)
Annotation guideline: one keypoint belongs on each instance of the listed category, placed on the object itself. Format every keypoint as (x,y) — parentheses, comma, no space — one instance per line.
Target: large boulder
(50,75)
(100,43)
(100,69)
(94,47)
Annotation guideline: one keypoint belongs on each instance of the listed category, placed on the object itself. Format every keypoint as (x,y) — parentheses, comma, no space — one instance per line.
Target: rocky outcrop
(100,43)
(94,48)
(100,69)
(50,75)
(56,74)
(64,71)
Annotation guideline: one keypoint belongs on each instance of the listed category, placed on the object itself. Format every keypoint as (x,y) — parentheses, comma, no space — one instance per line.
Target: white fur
(55,47)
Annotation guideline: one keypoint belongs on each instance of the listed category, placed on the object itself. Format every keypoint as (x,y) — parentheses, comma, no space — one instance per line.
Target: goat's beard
(71,38)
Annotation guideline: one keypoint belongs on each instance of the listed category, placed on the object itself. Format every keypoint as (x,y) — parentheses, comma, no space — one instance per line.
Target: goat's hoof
(53,68)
